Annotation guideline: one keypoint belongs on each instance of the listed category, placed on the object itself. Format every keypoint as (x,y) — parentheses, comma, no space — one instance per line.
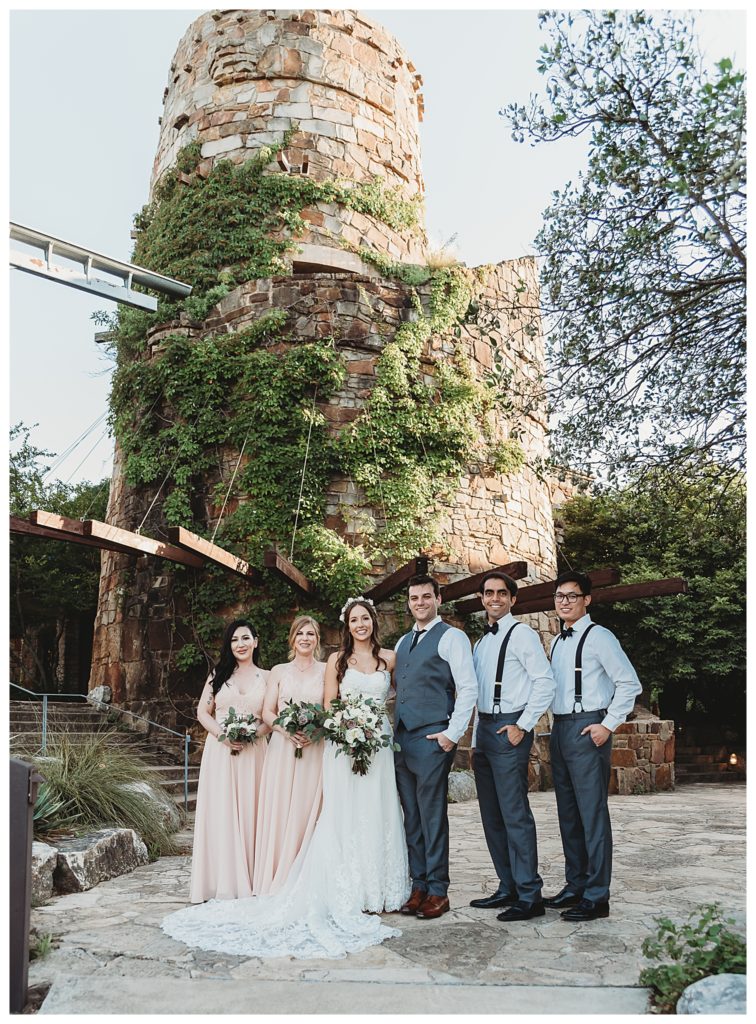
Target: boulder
(461,787)
(44,859)
(719,993)
(163,807)
(82,863)
(100,695)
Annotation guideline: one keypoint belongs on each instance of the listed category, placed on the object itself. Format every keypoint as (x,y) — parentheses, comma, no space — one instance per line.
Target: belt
(579,714)
(486,717)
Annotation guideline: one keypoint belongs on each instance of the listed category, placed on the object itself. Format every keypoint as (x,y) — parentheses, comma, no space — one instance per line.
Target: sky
(85,95)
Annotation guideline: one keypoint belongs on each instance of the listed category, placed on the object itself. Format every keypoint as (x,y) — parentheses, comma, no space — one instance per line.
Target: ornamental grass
(86,788)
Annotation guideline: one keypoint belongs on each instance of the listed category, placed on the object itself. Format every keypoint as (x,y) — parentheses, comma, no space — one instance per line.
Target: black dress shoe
(587,910)
(566,898)
(499,899)
(522,912)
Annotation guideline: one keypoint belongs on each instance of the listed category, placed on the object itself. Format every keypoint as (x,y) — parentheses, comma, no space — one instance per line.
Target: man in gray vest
(515,687)
(433,663)
(596,691)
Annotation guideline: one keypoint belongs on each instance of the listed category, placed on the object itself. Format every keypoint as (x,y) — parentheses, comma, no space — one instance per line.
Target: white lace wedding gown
(356,861)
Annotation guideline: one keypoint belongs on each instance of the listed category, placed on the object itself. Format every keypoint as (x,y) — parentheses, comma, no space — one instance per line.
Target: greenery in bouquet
(238,728)
(355,725)
(302,717)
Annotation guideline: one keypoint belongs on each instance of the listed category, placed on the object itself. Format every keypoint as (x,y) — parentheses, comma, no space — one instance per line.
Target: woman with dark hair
(291,786)
(230,772)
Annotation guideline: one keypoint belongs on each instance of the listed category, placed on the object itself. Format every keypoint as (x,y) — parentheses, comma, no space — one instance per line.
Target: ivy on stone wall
(198,399)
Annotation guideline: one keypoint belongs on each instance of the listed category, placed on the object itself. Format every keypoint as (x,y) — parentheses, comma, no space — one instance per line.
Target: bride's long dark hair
(226,661)
(347,640)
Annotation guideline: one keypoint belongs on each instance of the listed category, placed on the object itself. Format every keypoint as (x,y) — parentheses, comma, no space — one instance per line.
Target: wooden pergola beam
(469,585)
(135,544)
(397,580)
(189,541)
(64,528)
(276,563)
(608,595)
(26,528)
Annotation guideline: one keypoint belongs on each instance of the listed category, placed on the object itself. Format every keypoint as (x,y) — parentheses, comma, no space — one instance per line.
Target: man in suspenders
(515,687)
(435,696)
(596,687)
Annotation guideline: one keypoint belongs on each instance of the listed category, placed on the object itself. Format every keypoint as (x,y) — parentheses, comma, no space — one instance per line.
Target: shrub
(696,950)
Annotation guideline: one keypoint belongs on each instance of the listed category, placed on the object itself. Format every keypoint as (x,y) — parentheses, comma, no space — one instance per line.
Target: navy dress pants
(501,778)
(581,782)
(422,778)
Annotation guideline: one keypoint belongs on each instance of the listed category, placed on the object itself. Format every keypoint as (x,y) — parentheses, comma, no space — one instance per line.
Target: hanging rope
(231,484)
(157,493)
(105,483)
(97,442)
(304,467)
(74,445)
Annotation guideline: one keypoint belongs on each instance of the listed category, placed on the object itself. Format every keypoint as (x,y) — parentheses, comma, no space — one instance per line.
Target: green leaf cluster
(689,650)
(692,950)
(644,255)
(181,412)
(49,581)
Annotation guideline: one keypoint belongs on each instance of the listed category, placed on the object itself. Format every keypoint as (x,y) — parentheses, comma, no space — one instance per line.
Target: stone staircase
(707,763)
(162,753)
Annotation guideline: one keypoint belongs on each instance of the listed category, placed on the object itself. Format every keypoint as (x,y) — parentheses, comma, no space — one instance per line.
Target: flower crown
(354,600)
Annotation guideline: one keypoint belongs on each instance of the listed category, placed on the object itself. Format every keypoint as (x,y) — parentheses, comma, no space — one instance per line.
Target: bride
(357,858)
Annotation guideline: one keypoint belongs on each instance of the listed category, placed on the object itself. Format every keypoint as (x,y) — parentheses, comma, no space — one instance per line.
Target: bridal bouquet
(302,717)
(355,725)
(238,728)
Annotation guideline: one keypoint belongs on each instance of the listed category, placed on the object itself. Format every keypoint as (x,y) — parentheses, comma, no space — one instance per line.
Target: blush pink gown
(290,792)
(227,799)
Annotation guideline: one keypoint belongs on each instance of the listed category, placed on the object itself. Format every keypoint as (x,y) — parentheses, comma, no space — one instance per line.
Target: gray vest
(424,682)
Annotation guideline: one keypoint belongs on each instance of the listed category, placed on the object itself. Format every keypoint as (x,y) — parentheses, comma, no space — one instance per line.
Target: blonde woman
(291,788)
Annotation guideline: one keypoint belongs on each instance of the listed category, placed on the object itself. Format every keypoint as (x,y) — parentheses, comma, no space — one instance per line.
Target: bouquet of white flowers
(238,728)
(302,717)
(355,725)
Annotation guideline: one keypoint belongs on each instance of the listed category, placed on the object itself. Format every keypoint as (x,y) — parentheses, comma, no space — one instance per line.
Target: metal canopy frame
(90,263)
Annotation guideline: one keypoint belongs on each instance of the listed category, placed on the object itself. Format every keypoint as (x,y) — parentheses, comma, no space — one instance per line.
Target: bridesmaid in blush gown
(291,787)
(229,783)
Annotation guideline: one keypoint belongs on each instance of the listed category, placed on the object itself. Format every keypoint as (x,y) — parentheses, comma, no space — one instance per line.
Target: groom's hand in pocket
(443,741)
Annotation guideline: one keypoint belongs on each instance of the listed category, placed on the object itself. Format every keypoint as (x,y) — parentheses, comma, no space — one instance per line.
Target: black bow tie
(564,633)
(491,629)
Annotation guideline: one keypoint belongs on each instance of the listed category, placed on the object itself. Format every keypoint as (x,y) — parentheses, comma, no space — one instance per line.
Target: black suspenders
(579,670)
(496,709)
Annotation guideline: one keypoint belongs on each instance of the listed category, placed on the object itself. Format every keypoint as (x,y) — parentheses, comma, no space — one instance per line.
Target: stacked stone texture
(240,79)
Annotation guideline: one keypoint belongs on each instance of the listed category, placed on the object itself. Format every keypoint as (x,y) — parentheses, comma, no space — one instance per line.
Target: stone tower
(350,100)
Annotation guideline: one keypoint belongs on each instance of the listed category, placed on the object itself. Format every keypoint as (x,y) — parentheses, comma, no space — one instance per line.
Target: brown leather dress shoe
(416,898)
(433,906)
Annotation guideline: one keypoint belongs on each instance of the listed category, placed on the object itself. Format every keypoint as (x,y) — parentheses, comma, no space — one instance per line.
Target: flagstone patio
(673,852)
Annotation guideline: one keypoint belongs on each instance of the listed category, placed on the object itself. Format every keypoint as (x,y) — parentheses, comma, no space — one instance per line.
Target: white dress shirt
(609,679)
(454,648)
(528,683)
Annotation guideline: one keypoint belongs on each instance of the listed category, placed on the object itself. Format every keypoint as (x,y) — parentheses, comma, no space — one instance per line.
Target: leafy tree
(689,650)
(643,257)
(50,581)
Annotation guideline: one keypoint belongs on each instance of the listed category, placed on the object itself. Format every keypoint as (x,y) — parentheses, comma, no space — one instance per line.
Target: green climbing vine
(185,413)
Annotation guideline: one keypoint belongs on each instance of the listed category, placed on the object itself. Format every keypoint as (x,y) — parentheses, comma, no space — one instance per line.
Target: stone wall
(240,79)
(643,756)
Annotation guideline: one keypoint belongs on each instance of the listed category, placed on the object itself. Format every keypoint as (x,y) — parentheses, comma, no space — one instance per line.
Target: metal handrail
(99,705)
